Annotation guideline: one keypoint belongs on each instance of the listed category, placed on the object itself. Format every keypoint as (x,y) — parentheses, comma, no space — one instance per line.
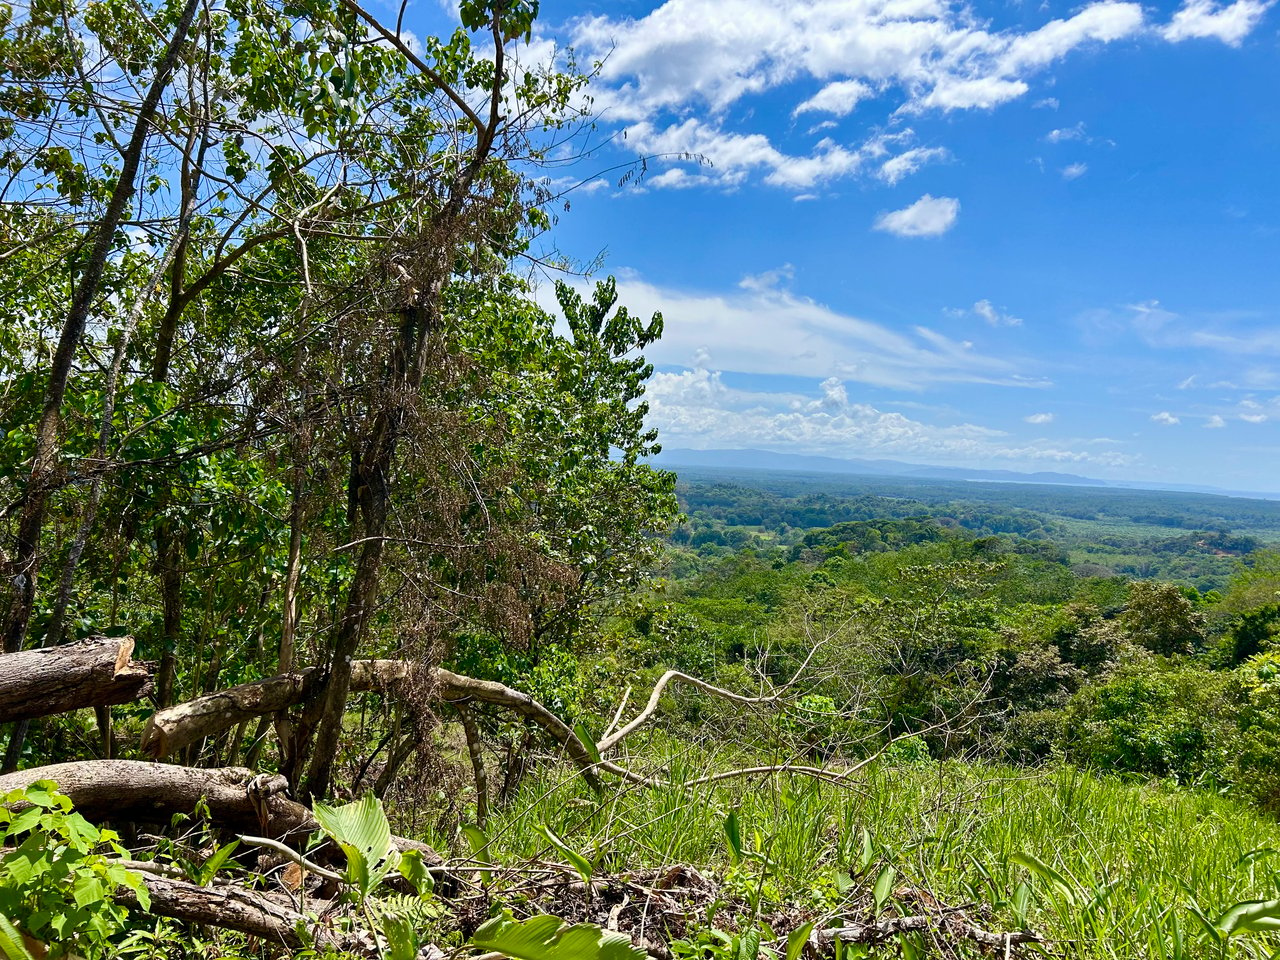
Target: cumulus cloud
(764,327)
(1205,19)
(1253,417)
(1165,419)
(700,58)
(837,98)
(1215,422)
(1039,418)
(696,408)
(928,217)
(905,164)
(1074,171)
(728,159)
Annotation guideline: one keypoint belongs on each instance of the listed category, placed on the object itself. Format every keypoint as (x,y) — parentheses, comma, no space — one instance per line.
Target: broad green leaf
(216,862)
(479,844)
(1250,916)
(884,887)
(362,831)
(588,741)
(547,938)
(414,869)
(1045,872)
(733,834)
(580,863)
(797,939)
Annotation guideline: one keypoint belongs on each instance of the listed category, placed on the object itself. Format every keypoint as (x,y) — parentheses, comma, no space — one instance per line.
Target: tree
(272,249)
(1162,619)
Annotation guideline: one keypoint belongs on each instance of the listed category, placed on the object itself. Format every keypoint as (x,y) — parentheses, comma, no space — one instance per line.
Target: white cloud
(727,159)
(837,98)
(1066,133)
(928,217)
(1206,19)
(1048,103)
(996,318)
(1165,418)
(1074,171)
(699,58)
(1039,418)
(983,93)
(1215,422)
(905,164)
(696,408)
(1188,383)
(764,328)
(1253,417)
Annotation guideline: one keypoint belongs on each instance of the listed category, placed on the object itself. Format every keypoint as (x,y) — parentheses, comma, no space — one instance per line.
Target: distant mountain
(768,460)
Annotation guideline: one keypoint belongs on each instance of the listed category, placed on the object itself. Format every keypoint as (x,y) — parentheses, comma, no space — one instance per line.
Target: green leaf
(362,831)
(216,862)
(580,863)
(414,869)
(11,944)
(1249,916)
(547,938)
(733,833)
(588,741)
(797,939)
(1045,872)
(884,887)
(479,844)
(401,937)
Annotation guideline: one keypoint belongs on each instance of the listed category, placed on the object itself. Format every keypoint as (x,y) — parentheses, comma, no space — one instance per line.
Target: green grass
(1136,859)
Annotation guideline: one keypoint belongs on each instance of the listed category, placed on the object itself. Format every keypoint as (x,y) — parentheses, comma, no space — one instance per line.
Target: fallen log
(141,791)
(92,673)
(144,792)
(231,908)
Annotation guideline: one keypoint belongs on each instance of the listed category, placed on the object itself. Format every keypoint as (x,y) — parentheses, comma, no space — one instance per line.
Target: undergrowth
(1100,867)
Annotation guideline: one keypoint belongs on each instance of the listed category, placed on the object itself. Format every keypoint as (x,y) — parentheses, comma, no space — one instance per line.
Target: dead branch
(954,925)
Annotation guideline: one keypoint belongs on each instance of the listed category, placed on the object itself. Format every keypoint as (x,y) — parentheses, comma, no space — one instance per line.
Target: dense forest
(345,614)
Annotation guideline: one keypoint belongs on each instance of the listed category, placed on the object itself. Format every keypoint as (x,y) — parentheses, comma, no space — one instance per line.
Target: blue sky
(1019,235)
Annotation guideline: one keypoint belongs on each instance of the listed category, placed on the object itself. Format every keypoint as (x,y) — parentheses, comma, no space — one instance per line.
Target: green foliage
(55,885)
(550,938)
(362,831)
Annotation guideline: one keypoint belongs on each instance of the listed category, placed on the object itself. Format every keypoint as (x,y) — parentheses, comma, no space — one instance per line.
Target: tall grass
(1137,861)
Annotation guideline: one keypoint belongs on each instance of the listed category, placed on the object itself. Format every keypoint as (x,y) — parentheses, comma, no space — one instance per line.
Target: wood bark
(141,791)
(92,673)
(145,792)
(230,908)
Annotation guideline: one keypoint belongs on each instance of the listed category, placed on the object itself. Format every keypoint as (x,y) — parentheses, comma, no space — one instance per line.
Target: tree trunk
(92,673)
(24,568)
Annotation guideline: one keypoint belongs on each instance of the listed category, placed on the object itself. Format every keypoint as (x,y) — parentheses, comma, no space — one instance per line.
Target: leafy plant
(362,831)
(550,938)
(54,886)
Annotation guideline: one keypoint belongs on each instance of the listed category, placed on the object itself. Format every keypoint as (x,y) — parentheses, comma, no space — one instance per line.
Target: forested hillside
(345,615)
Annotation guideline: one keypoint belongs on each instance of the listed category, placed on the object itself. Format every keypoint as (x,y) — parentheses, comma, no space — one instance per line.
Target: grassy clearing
(1136,862)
